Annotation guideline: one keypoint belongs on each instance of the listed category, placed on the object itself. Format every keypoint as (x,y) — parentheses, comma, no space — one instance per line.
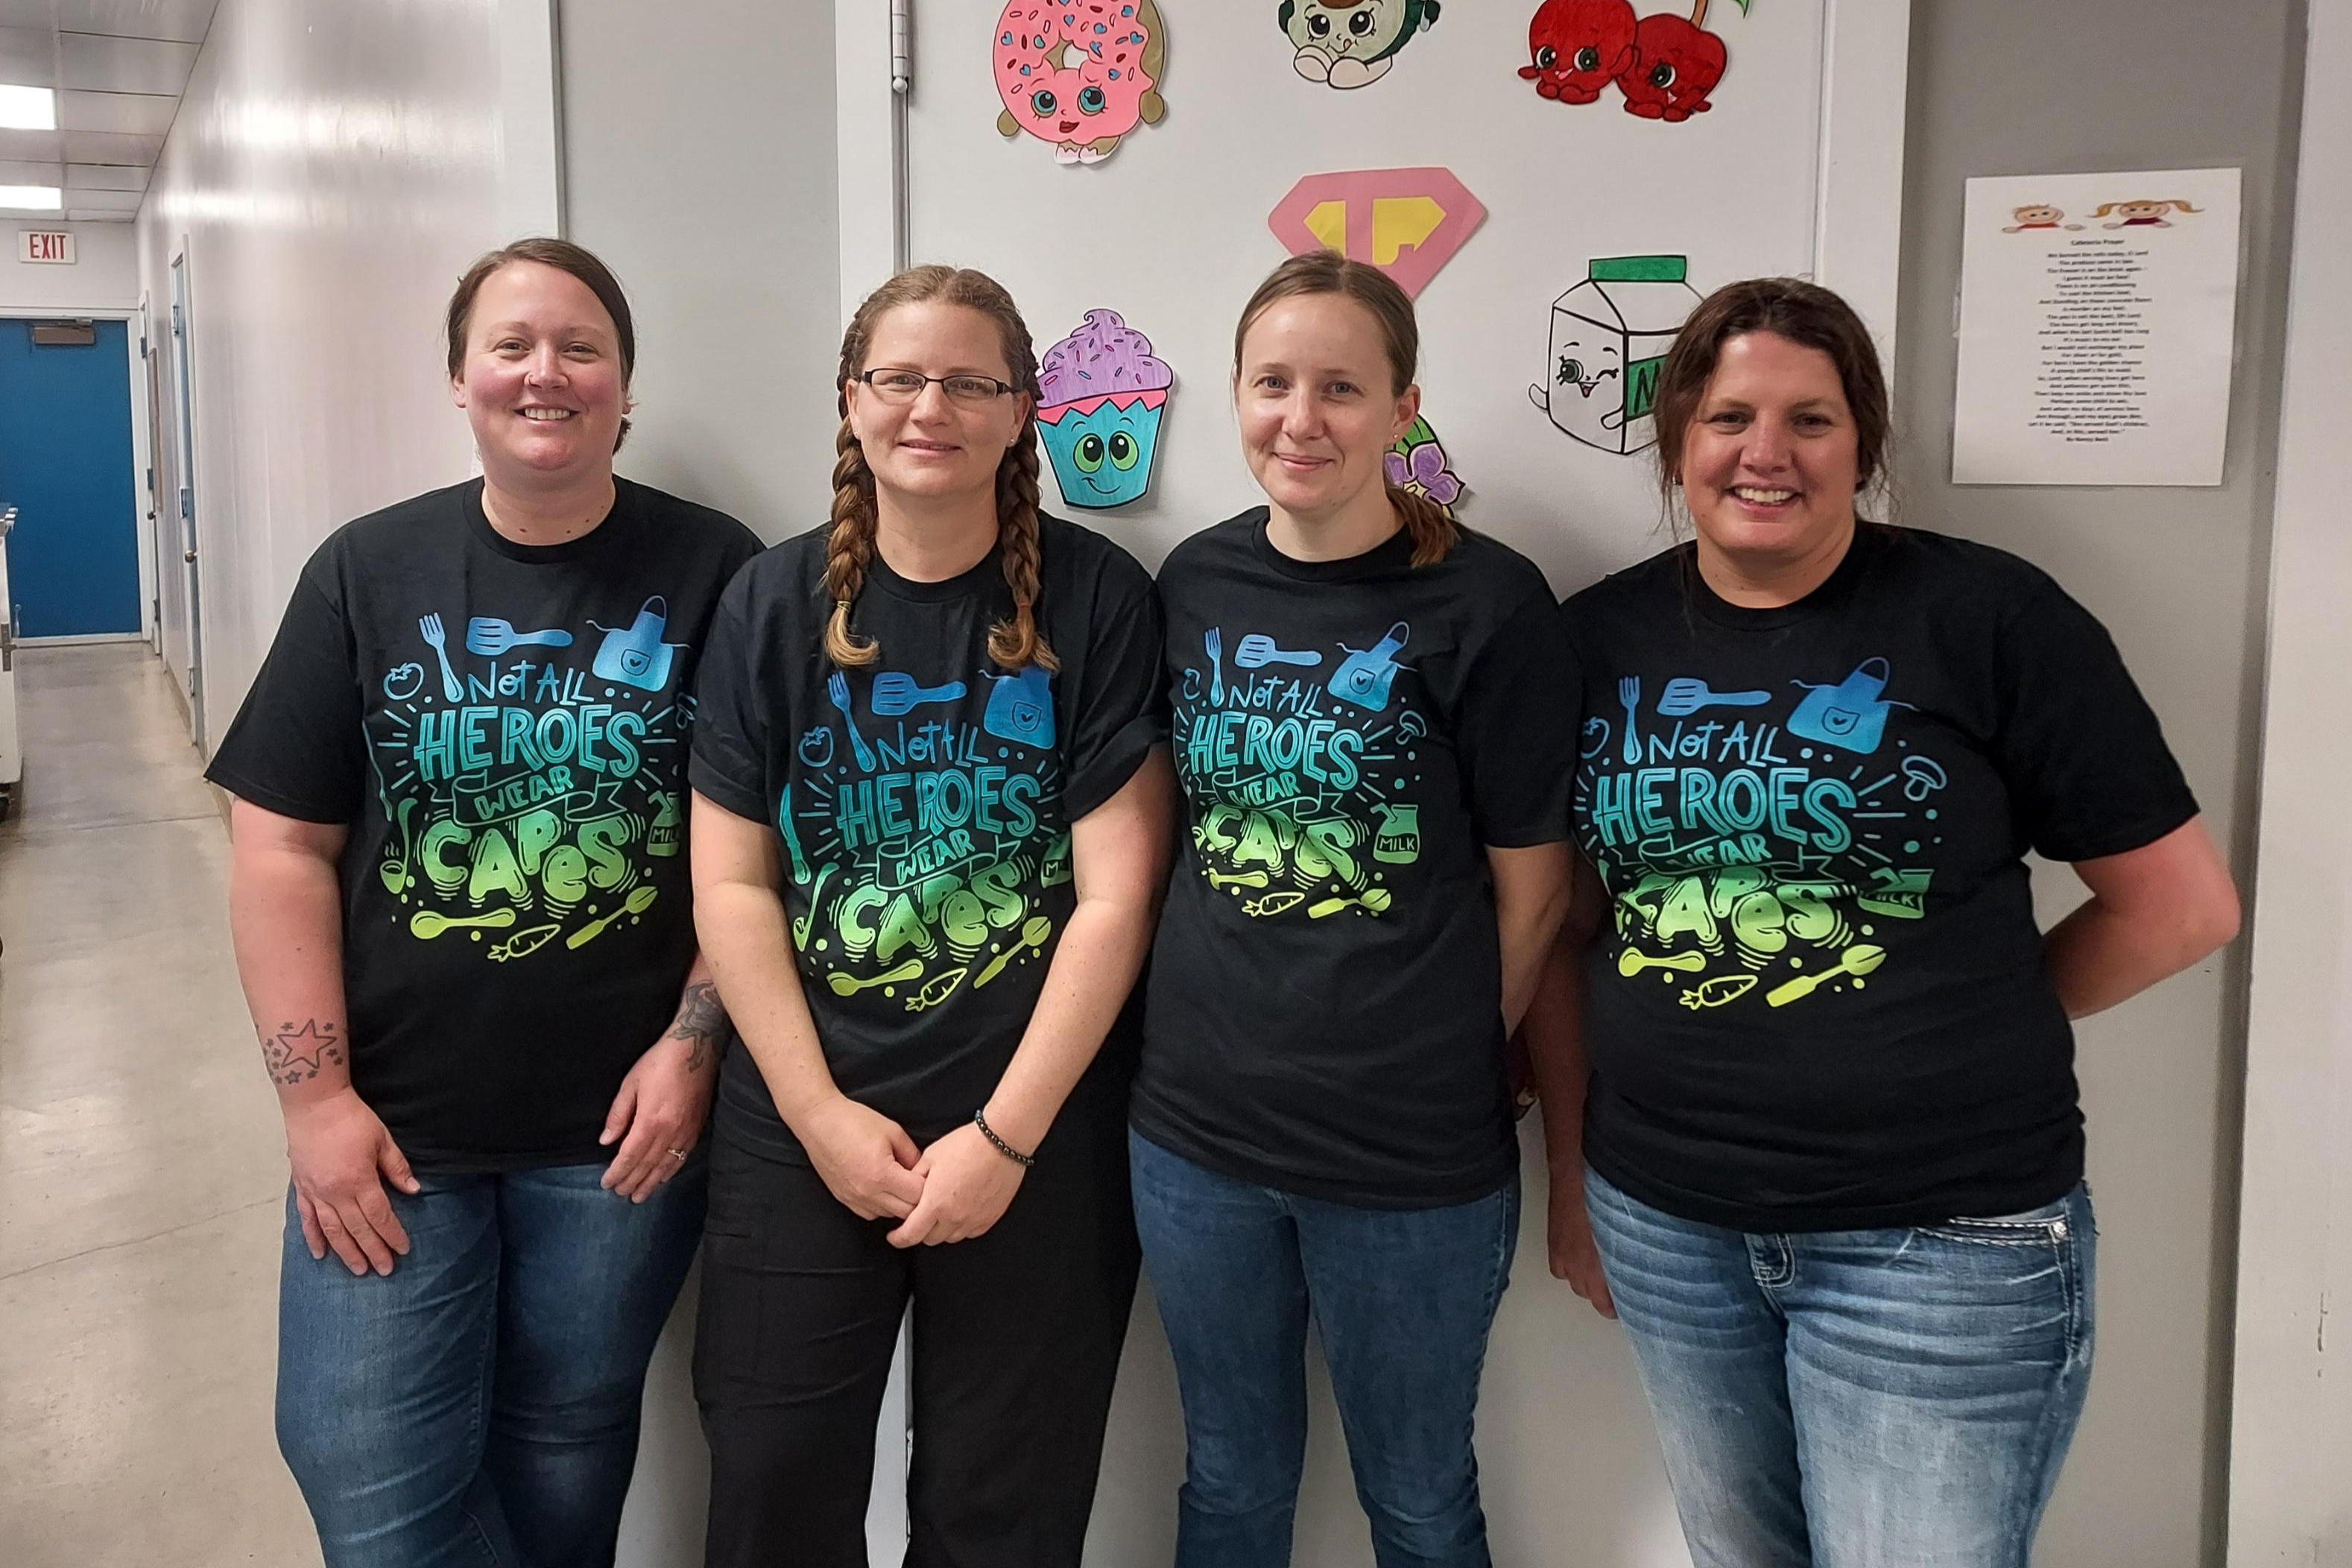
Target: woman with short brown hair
(461,903)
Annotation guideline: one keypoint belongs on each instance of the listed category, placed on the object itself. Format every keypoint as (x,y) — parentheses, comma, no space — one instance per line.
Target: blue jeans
(478,1404)
(1402,1299)
(1897,1398)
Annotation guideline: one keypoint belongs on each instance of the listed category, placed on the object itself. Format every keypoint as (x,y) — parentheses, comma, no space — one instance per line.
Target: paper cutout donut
(1080,74)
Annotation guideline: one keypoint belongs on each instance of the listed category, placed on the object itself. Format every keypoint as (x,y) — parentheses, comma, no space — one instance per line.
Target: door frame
(148,629)
(180,269)
(151,511)
(2290,1421)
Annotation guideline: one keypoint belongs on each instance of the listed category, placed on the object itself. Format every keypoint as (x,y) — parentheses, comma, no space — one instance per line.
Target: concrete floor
(141,1160)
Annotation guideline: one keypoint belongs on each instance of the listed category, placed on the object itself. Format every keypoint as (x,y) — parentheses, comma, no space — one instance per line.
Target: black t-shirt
(503,727)
(925,803)
(1821,1004)
(1325,1011)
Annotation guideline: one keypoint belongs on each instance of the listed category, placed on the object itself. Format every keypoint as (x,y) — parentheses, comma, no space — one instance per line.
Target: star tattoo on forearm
(702,1022)
(296,1055)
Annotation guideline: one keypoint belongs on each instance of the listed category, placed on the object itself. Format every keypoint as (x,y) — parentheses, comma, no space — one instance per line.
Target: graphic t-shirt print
(1299,760)
(529,774)
(921,846)
(1763,845)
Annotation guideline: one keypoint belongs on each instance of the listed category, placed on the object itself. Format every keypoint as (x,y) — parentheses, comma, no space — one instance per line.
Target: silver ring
(678,1154)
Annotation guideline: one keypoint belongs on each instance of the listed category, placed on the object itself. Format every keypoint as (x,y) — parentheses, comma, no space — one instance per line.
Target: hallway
(142,1166)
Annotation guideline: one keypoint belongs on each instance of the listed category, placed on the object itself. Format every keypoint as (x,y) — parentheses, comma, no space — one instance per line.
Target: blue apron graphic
(637,656)
(1021,707)
(1851,714)
(1364,677)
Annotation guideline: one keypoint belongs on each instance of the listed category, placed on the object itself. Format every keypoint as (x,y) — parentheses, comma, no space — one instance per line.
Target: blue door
(65,466)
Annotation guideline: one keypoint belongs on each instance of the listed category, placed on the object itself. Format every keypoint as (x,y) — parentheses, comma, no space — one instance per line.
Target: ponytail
(1434,532)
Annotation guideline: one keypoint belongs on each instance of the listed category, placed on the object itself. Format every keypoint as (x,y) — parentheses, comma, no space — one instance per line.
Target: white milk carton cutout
(1609,336)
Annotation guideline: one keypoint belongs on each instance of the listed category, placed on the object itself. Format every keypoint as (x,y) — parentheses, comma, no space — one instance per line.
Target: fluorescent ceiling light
(37,198)
(28,109)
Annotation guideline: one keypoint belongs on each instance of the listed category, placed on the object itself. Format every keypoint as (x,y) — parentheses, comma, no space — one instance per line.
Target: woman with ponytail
(1376,766)
(931,818)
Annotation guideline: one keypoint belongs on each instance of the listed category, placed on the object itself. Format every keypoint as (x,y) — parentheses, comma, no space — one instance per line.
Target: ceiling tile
(106,176)
(102,146)
(92,215)
(103,201)
(134,113)
(36,146)
(124,65)
(15,172)
(28,57)
(39,16)
(181,20)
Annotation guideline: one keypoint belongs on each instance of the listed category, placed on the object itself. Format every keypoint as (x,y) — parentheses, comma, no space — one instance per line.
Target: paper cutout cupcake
(1103,393)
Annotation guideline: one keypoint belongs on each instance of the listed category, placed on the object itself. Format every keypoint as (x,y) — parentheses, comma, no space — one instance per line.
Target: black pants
(1017,1335)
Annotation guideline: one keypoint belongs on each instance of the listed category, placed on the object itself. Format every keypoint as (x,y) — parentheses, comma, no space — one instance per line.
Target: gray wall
(698,162)
(2181,577)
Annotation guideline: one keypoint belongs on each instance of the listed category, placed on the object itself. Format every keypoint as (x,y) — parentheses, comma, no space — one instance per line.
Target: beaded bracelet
(979,1120)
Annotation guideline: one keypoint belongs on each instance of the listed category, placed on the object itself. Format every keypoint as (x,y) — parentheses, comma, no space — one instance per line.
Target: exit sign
(45,245)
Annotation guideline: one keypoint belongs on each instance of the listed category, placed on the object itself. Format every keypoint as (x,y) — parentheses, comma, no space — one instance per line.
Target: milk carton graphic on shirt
(1608,337)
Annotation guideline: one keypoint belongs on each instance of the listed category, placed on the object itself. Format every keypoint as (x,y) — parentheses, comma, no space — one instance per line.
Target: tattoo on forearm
(703,1021)
(294,1055)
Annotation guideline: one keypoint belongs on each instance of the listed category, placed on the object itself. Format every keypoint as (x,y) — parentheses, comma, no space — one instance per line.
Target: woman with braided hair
(932,819)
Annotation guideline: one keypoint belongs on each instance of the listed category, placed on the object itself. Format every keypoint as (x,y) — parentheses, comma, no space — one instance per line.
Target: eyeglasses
(905,385)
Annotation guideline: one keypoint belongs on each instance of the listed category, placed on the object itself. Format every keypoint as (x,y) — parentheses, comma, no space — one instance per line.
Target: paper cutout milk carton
(1609,336)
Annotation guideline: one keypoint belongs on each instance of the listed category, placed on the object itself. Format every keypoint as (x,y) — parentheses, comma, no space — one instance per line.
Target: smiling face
(935,447)
(1769,460)
(1576,46)
(1103,458)
(1674,67)
(2038,215)
(1074,70)
(1586,367)
(1319,404)
(1365,29)
(541,382)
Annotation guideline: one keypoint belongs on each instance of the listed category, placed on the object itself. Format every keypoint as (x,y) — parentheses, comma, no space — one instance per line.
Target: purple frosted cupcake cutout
(1103,356)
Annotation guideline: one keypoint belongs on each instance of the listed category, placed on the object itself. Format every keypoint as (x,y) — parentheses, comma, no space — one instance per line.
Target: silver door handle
(189,557)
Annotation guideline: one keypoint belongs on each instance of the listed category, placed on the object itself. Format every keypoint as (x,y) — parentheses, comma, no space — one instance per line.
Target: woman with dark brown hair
(1827,1162)
(932,814)
(1377,794)
(460,905)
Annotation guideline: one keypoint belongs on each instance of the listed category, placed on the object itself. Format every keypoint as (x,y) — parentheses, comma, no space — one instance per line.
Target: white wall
(333,168)
(1789,172)
(2179,575)
(2291,1428)
(103,276)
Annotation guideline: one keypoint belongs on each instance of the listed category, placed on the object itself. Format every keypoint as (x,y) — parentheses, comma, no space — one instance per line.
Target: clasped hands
(952,1191)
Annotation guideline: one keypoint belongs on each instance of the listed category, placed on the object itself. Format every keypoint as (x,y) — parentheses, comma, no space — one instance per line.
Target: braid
(1017,643)
(848,550)
(1432,527)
